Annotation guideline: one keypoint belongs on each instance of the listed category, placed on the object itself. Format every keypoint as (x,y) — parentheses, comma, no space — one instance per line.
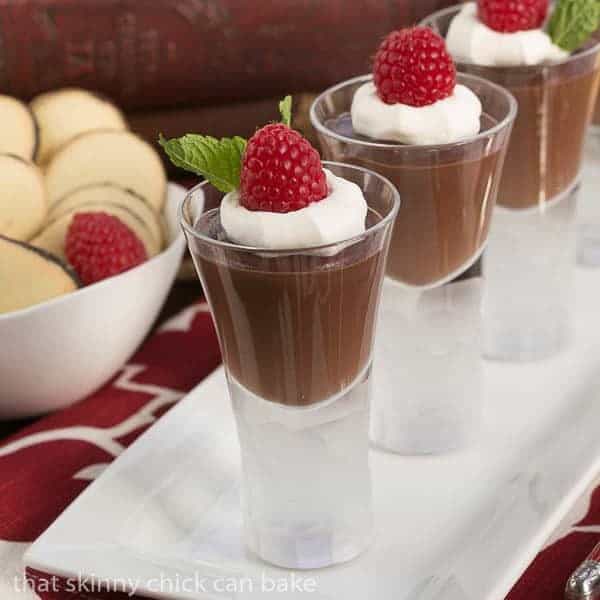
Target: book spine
(221,120)
(160,53)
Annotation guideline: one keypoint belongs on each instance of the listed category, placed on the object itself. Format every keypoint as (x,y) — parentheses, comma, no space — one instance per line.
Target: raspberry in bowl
(442,142)
(292,264)
(77,337)
(99,245)
(552,67)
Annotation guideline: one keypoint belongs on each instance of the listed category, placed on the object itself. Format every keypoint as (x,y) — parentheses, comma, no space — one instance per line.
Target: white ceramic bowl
(58,352)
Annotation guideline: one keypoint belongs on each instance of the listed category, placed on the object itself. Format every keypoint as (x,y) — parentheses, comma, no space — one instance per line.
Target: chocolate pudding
(544,155)
(596,119)
(446,205)
(294,329)
(446,218)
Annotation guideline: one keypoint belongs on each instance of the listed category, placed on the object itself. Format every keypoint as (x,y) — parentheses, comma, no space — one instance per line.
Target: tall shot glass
(427,372)
(527,314)
(296,329)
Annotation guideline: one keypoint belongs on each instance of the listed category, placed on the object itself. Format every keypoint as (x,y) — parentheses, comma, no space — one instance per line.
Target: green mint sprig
(573,22)
(218,161)
(285,109)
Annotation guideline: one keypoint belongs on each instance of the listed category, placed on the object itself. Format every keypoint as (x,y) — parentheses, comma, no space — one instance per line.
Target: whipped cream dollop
(336,218)
(471,41)
(449,120)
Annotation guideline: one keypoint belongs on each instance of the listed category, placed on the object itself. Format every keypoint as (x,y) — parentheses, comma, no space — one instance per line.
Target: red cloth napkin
(43,468)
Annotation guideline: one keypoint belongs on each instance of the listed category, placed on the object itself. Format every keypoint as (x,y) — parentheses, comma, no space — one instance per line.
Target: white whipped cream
(471,41)
(449,120)
(336,218)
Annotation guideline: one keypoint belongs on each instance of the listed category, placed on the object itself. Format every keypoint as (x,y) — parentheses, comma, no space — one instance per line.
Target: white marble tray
(460,527)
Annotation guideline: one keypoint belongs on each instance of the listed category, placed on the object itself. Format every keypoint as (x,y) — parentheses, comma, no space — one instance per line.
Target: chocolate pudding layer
(446,203)
(298,328)
(447,215)
(545,151)
(597,113)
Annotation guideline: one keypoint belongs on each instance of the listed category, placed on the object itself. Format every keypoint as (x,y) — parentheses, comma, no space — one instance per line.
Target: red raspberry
(99,245)
(413,67)
(281,171)
(509,16)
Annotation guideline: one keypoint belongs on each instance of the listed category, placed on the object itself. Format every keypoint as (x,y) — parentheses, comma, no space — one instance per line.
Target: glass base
(588,218)
(306,492)
(528,271)
(588,245)
(427,382)
(519,339)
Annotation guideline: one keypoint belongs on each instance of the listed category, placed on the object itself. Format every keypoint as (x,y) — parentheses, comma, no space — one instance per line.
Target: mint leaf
(285,108)
(219,161)
(573,22)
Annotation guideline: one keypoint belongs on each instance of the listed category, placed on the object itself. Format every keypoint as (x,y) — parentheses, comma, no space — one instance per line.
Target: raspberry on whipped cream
(414,97)
(281,171)
(470,40)
(278,196)
(509,16)
(337,217)
(286,199)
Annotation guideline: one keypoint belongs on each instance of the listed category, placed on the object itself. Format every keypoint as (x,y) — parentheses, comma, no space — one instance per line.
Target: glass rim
(519,68)
(505,122)
(390,217)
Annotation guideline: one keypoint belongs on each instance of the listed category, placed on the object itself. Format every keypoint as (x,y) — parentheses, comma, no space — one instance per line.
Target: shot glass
(296,329)
(596,118)
(588,213)
(428,373)
(542,165)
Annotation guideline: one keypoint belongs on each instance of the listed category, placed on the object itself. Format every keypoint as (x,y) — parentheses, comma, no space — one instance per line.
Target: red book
(220,120)
(154,53)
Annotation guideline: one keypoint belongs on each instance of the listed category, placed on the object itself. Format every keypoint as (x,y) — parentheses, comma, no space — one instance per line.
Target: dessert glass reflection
(428,379)
(556,100)
(296,329)
(596,118)
(588,211)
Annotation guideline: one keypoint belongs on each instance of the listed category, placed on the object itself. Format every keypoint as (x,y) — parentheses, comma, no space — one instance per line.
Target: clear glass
(432,323)
(544,159)
(588,213)
(296,330)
